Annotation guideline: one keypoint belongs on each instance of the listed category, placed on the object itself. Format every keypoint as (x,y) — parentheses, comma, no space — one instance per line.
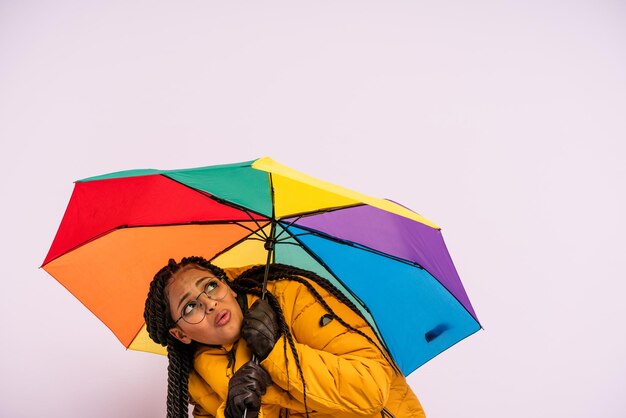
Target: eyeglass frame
(197,300)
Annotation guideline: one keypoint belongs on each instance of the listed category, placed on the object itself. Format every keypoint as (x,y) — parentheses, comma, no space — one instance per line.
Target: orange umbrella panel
(111,275)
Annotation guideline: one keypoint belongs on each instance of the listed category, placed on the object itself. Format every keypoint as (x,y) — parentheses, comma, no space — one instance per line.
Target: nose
(209,303)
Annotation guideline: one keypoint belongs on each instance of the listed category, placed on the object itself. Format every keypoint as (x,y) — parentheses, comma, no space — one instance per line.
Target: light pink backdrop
(504,122)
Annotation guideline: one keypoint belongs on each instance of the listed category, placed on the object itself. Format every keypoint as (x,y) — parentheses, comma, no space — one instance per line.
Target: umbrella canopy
(119,229)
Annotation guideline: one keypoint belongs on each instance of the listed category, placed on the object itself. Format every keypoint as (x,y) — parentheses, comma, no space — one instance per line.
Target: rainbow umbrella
(120,228)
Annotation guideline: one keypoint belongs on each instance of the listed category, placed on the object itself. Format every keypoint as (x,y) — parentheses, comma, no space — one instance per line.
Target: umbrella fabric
(119,229)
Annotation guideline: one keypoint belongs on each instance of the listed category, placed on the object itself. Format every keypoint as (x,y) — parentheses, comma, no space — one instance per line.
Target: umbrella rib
(120,227)
(264,235)
(95,237)
(323,264)
(255,232)
(289,243)
(382,254)
(234,244)
(296,235)
(284,229)
(320,211)
(225,222)
(355,245)
(215,198)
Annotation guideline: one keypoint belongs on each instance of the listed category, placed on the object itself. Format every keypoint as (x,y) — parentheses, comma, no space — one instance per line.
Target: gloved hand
(260,328)
(245,389)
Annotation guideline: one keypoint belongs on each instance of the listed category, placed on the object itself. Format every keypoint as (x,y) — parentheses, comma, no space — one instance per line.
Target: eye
(189,308)
(211,286)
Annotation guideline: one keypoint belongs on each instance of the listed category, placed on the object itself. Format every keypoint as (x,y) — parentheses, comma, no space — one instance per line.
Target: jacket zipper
(385,413)
(230,355)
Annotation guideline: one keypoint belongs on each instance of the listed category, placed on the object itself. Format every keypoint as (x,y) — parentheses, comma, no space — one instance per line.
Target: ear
(180,335)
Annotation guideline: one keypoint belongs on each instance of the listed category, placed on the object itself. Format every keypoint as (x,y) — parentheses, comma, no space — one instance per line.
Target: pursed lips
(222,318)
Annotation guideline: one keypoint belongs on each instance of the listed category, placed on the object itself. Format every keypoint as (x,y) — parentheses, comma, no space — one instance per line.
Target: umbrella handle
(254,359)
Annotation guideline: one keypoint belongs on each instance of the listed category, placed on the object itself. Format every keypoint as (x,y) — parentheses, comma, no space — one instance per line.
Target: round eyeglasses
(195,311)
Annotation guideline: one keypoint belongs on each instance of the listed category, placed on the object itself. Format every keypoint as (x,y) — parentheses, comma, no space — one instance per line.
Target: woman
(315,354)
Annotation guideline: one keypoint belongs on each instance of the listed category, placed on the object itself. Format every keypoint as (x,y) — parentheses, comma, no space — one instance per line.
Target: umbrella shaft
(269,245)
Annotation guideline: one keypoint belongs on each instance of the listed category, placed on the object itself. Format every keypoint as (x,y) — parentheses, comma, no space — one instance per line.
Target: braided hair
(158,323)
(180,355)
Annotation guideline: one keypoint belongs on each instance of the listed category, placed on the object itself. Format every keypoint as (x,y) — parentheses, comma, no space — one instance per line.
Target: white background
(503,122)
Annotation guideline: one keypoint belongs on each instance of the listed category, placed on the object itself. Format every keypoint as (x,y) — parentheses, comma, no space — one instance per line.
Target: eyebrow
(186,295)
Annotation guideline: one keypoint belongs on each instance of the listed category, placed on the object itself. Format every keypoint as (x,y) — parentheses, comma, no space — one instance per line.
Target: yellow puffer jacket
(345,375)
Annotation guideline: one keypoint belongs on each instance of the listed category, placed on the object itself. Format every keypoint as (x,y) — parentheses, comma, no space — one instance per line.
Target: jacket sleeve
(343,371)
(199,412)
(202,397)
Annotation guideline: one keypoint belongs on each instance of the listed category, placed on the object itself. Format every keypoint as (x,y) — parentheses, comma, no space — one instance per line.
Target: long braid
(180,358)
(158,323)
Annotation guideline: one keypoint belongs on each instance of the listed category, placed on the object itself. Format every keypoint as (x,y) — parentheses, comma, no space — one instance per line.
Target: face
(222,322)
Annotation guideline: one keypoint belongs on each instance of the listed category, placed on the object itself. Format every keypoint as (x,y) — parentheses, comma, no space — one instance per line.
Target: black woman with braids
(314,354)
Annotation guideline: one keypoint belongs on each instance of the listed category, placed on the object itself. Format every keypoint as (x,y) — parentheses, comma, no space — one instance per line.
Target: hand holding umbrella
(245,389)
(260,328)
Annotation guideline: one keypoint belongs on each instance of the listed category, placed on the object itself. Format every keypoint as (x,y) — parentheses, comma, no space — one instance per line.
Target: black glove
(245,389)
(260,328)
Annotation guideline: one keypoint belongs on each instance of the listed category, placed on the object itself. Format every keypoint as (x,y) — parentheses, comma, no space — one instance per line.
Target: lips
(222,318)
